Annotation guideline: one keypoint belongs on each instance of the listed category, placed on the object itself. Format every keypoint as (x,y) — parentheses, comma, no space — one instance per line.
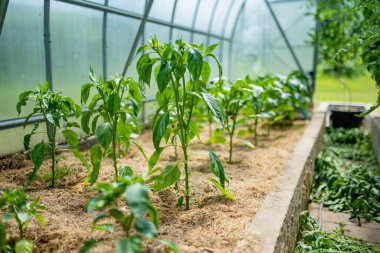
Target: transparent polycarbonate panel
(232,17)
(204,15)
(225,58)
(180,34)
(162,9)
(76,35)
(121,32)
(97,1)
(22,58)
(199,39)
(136,6)
(221,15)
(184,12)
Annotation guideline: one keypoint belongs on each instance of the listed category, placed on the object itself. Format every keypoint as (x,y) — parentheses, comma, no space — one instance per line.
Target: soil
(213,223)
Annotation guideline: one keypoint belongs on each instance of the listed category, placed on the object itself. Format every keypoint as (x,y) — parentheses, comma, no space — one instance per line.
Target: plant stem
(114,147)
(231,134)
(255,131)
(52,153)
(187,174)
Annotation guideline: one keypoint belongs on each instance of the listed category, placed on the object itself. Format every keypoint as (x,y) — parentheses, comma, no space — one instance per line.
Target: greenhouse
(189,126)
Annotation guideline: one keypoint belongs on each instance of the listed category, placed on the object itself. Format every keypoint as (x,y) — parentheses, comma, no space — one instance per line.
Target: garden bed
(213,223)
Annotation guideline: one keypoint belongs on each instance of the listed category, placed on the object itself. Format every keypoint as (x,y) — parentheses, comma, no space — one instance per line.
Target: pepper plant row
(180,72)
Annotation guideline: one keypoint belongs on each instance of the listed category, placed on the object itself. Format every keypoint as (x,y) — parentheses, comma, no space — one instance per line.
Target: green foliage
(315,241)
(55,109)
(116,104)
(181,73)
(349,33)
(136,226)
(14,205)
(347,177)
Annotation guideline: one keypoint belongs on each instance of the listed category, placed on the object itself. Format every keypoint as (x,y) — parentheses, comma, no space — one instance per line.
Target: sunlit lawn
(362,88)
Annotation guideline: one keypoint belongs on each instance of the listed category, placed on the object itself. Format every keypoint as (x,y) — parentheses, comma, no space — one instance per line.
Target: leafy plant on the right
(315,241)
(14,205)
(180,73)
(139,222)
(55,109)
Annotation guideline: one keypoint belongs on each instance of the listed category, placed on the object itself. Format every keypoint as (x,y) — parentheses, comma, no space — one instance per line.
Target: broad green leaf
(206,71)
(94,101)
(211,48)
(40,218)
(24,246)
(94,123)
(23,97)
(154,215)
(130,244)
(85,92)
(124,132)
(218,139)
(113,105)
(159,129)
(140,149)
(96,159)
(169,176)
(88,245)
(170,246)
(193,127)
(37,157)
(215,107)
(85,122)
(222,189)
(145,227)
(154,158)
(137,197)
(91,74)
(71,137)
(195,62)
(144,68)
(104,134)
(3,236)
(163,76)
(125,171)
(219,65)
(80,156)
(216,167)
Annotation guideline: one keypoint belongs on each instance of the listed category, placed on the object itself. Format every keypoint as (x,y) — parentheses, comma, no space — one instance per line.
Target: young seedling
(14,205)
(117,104)
(55,109)
(180,74)
(135,225)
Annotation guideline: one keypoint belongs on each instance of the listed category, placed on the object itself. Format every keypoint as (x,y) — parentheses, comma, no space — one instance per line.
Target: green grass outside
(363,89)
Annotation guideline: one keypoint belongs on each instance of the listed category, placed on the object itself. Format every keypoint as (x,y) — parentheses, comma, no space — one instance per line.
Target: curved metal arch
(211,22)
(172,20)
(194,20)
(227,16)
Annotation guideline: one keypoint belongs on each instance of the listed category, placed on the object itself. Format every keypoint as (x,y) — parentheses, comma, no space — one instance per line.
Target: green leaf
(96,159)
(137,197)
(249,144)
(163,76)
(113,105)
(169,176)
(144,68)
(219,65)
(24,246)
(206,71)
(159,129)
(3,236)
(85,92)
(85,122)
(193,127)
(140,149)
(215,107)
(195,62)
(222,189)
(80,156)
(104,134)
(23,97)
(170,246)
(216,167)
(40,218)
(88,245)
(125,171)
(104,227)
(71,137)
(154,158)
(218,139)
(131,244)
(145,227)
(211,48)
(94,123)
(37,157)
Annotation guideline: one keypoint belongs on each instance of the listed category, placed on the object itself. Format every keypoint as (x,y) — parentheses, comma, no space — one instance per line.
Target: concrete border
(372,124)
(275,227)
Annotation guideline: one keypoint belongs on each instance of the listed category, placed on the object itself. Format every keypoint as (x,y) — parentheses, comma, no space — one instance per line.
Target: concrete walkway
(368,231)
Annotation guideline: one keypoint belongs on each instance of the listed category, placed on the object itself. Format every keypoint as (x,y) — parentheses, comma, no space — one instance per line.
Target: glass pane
(199,39)
(121,32)
(204,15)
(232,17)
(76,45)
(162,9)
(22,57)
(220,16)
(177,34)
(184,12)
(129,5)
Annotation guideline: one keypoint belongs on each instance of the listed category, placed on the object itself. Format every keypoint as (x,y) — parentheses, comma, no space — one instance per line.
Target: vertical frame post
(3,12)
(104,44)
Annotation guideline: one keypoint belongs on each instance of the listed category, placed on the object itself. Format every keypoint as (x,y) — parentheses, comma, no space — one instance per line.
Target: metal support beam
(284,37)
(211,22)
(104,45)
(3,12)
(138,36)
(47,43)
(172,20)
(194,20)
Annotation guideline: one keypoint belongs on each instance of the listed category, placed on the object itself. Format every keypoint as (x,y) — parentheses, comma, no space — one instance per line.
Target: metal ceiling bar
(211,22)
(224,29)
(138,36)
(133,15)
(3,12)
(47,43)
(172,20)
(194,20)
(104,45)
(284,37)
